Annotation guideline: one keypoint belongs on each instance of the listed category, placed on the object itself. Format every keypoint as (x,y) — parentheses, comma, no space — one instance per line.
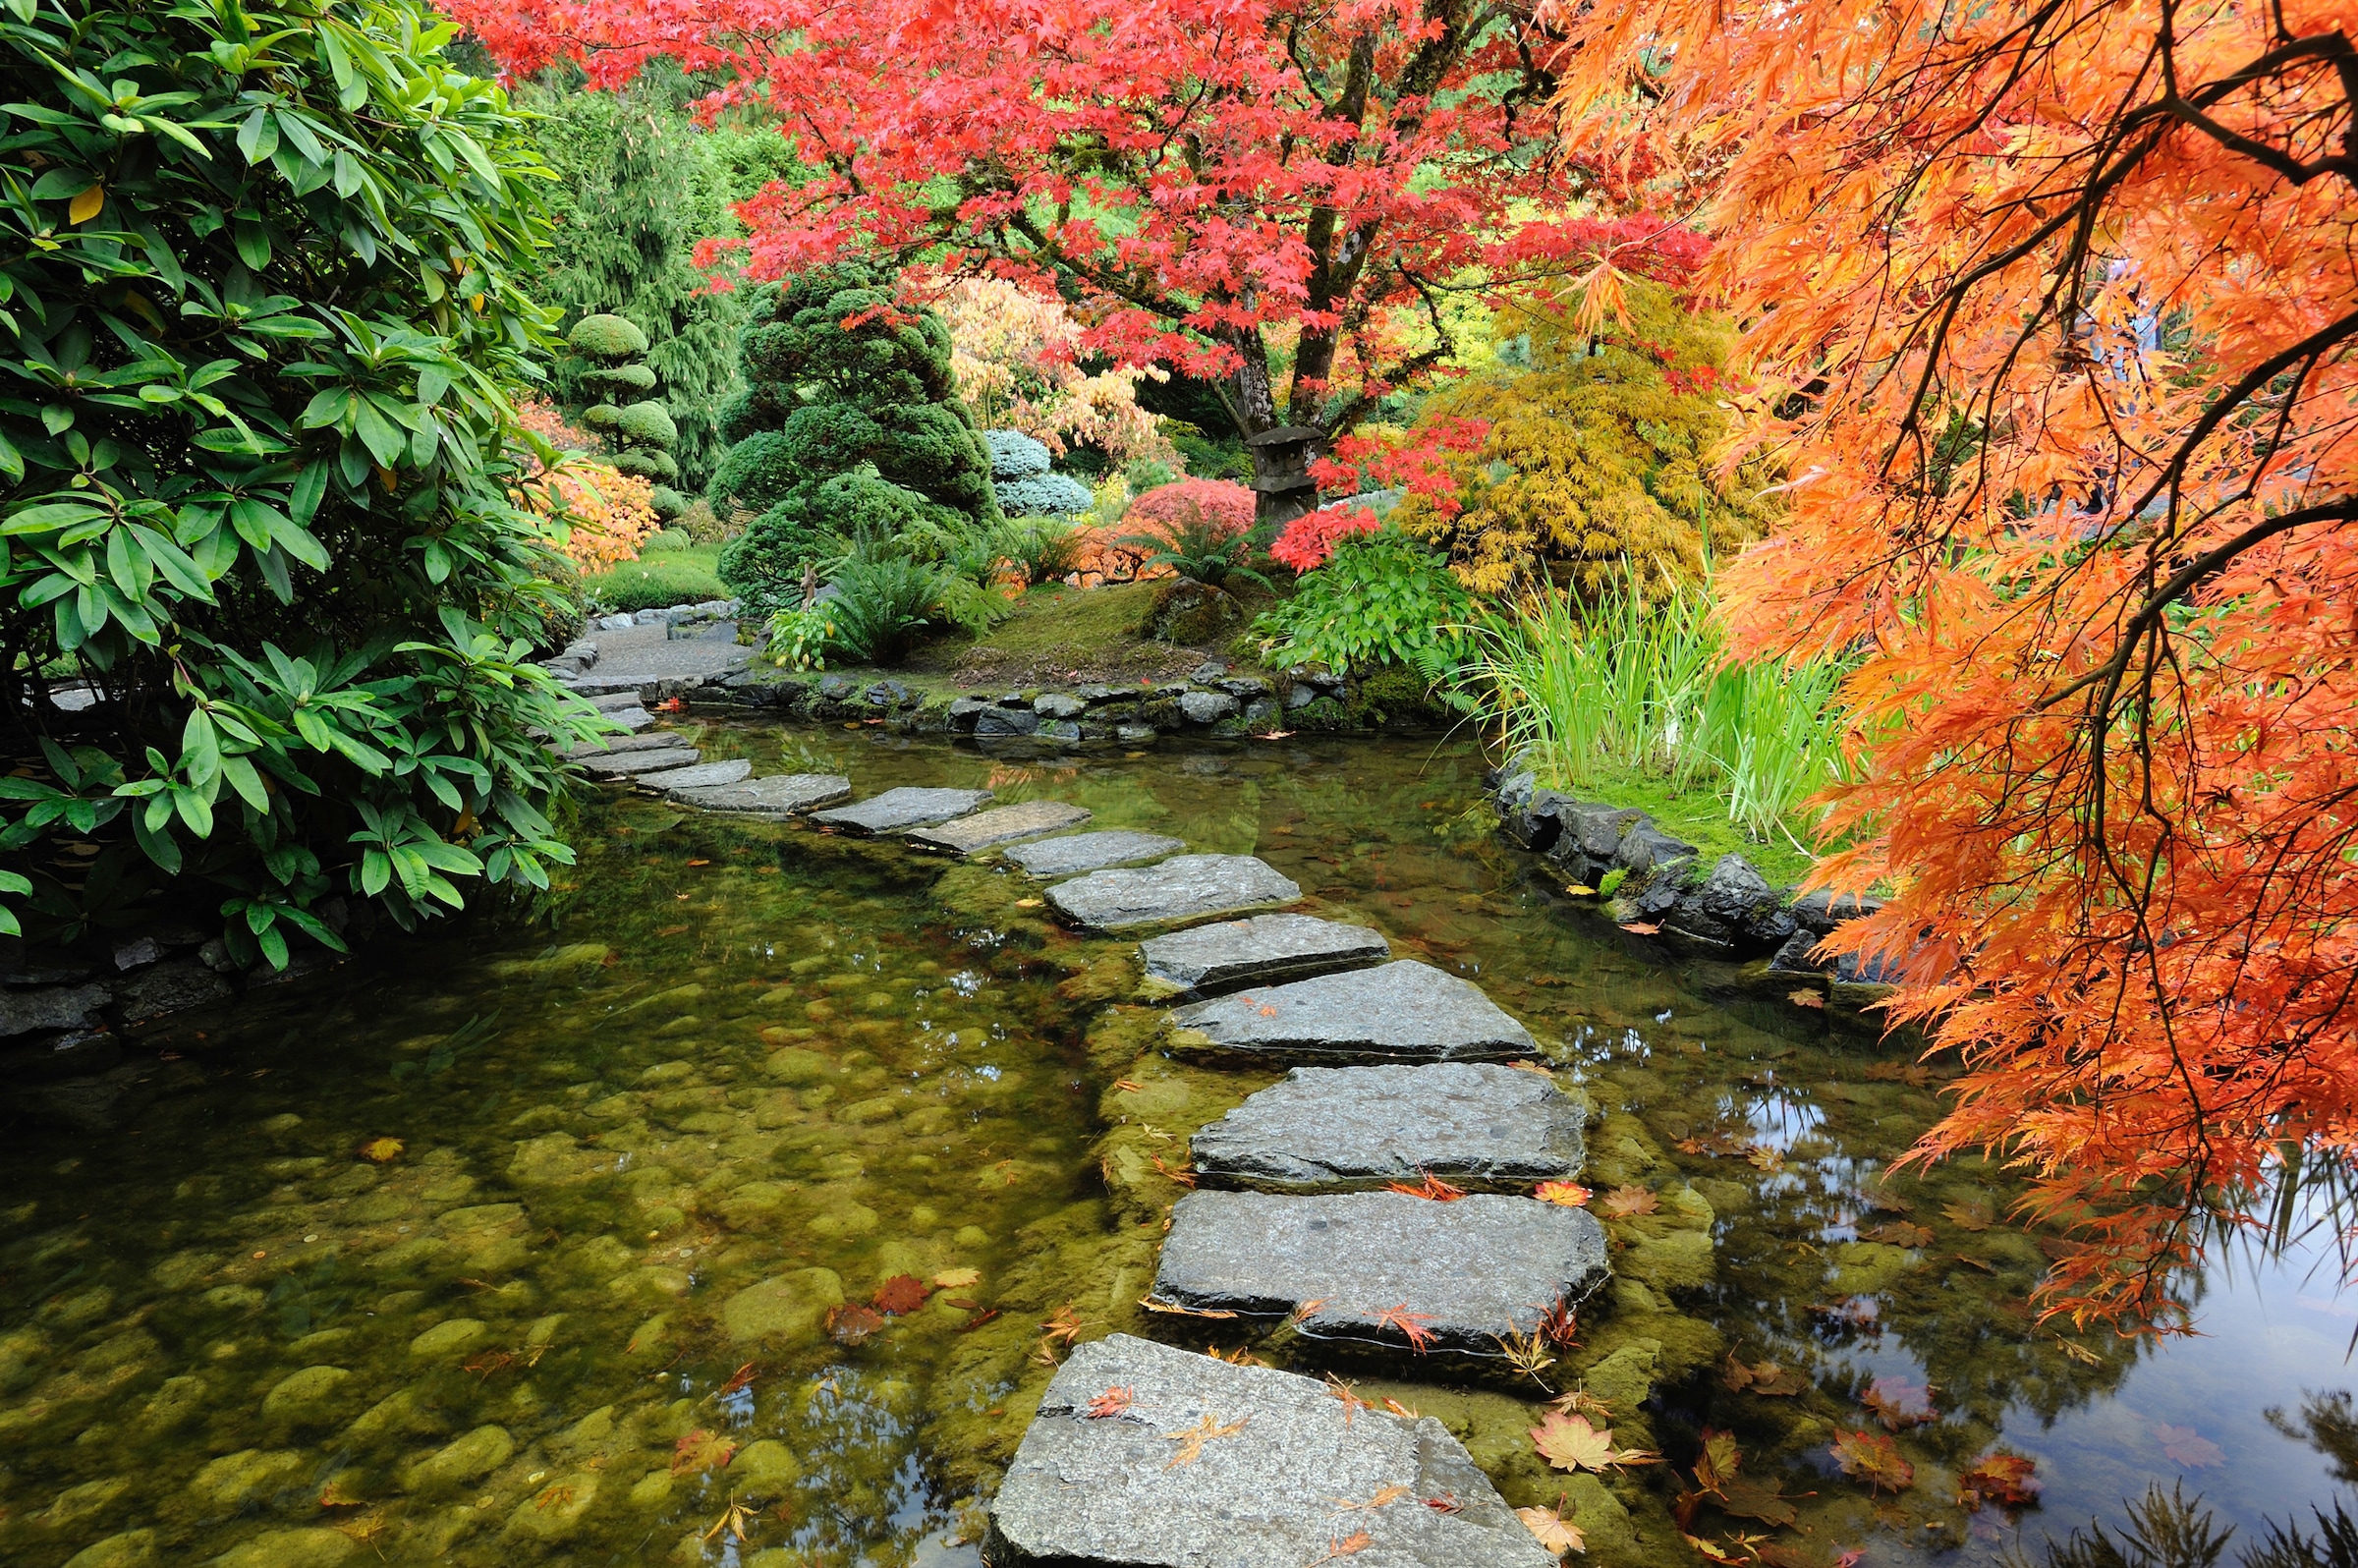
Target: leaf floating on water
(382,1151)
(1190,1439)
(1713,1554)
(901,1294)
(1805,998)
(2006,1480)
(1641,928)
(698,1451)
(1552,1530)
(1767,1378)
(1873,1458)
(2190,1448)
(957,1278)
(1762,1157)
(852,1323)
(1913,1074)
(1899,1403)
(1571,1194)
(1579,890)
(1899,1233)
(1975,1216)
(1569,1442)
(1628,1202)
(739,1381)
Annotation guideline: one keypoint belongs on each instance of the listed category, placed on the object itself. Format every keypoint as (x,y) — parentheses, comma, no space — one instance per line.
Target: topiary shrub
(257,468)
(641,433)
(849,420)
(1021,478)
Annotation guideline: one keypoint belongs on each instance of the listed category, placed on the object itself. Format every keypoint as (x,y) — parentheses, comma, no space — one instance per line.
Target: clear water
(736,1074)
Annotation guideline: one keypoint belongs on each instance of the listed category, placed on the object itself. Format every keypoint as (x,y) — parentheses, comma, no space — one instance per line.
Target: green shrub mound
(607,337)
(1047,495)
(611,381)
(849,424)
(265,272)
(642,433)
(648,425)
(1382,601)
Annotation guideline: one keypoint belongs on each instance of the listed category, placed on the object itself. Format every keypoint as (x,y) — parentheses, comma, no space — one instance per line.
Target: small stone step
(631,719)
(1268,948)
(896,811)
(1091,852)
(1196,1461)
(1186,887)
(1369,1266)
(658,741)
(1403,1011)
(1002,824)
(705,775)
(1465,1122)
(616,701)
(594,686)
(630,765)
(777,795)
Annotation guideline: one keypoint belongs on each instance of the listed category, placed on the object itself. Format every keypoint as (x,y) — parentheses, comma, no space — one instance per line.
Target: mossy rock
(607,337)
(1190,613)
(1395,698)
(1319,715)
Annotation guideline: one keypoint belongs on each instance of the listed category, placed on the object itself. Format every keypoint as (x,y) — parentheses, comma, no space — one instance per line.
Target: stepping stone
(1261,1486)
(777,795)
(630,764)
(1360,1126)
(616,701)
(895,811)
(1089,851)
(631,719)
(661,741)
(599,684)
(1002,825)
(1186,887)
(1265,948)
(704,775)
(1370,1265)
(1405,1011)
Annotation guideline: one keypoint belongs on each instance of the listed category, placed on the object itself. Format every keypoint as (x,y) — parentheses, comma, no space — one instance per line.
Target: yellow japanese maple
(2055,302)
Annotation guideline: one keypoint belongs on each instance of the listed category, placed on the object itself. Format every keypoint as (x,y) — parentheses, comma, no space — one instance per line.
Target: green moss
(1700,819)
(1055,617)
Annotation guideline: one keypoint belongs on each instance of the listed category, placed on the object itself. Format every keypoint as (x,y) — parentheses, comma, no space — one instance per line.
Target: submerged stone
(131,1549)
(1403,1010)
(1373,1266)
(704,775)
(309,1396)
(1243,1467)
(1003,824)
(250,1475)
(1186,887)
(895,811)
(314,1547)
(1339,1126)
(478,1453)
(1089,851)
(777,795)
(632,765)
(787,1307)
(1266,947)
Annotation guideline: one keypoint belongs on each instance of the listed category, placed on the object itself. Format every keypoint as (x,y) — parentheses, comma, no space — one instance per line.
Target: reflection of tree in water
(2326,1423)
(2169,1529)
(863,1498)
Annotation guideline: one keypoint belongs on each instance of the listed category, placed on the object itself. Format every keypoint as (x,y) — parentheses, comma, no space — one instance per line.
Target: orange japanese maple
(1279,196)
(2054,302)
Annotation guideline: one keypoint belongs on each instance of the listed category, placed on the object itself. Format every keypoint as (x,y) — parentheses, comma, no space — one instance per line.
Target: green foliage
(609,337)
(642,433)
(263,294)
(658,580)
(1628,687)
(799,638)
(1197,544)
(1597,462)
(647,424)
(663,540)
(1381,599)
(639,184)
(1044,549)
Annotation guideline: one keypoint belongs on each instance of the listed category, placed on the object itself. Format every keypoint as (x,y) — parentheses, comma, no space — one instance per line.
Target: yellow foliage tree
(1597,467)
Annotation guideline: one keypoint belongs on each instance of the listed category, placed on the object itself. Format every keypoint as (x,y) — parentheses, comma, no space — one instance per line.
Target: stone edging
(1732,913)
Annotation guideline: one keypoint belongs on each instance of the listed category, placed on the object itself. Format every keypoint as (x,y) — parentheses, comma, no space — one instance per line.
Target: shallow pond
(735,1210)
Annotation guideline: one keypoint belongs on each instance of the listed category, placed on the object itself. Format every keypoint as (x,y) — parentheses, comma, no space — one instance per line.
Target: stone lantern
(1281,483)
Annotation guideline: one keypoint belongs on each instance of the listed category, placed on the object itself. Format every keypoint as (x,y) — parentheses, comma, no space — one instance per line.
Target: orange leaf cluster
(601,514)
(2053,319)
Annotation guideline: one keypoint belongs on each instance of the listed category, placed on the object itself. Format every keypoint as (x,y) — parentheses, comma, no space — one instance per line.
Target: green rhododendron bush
(263,293)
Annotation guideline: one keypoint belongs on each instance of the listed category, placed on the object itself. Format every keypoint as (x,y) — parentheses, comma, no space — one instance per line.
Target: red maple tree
(1281,197)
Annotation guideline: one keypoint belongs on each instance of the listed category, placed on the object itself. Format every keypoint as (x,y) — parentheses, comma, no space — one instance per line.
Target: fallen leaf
(1154,1305)
(1431,1187)
(335,1495)
(1277,735)
(1125,1085)
(1899,1403)
(1974,1216)
(1410,1323)
(1628,1202)
(739,1381)
(1065,1326)
(1445,1503)
(1899,1233)
(1190,1439)
(1746,1498)
(1350,1546)
(1768,1380)
(382,1151)
(957,1278)
(1552,1530)
(1570,1195)
(2006,1480)
(1112,1402)
(1715,1553)
(2188,1447)
(1982,1264)
(1805,998)
(700,862)
(899,1295)
(1873,1458)
(1527,1066)
(1760,1158)
(1569,1442)
(1026,903)
(852,1323)
(1641,928)
(1352,1403)
(1385,1497)
(700,1450)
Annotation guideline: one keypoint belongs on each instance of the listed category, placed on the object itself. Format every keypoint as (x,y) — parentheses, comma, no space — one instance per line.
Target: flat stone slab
(704,775)
(1264,1485)
(660,741)
(630,765)
(777,795)
(1368,1267)
(616,701)
(1091,852)
(896,811)
(633,719)
(1185,887)
(1002,824)
(1265,948)
(1363,1126)
(1403,1011)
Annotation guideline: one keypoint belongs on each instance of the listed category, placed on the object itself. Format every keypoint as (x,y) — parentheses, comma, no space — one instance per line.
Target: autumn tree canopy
(2055,304)
(1273,194)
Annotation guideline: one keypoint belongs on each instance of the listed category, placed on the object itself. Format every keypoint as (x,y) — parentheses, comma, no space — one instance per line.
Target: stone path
(1465,1122)
(1091,852)
(897,810)
(1004,825)
(1186,887)
(1279,1470)
(1267,948)
(1405,1010)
